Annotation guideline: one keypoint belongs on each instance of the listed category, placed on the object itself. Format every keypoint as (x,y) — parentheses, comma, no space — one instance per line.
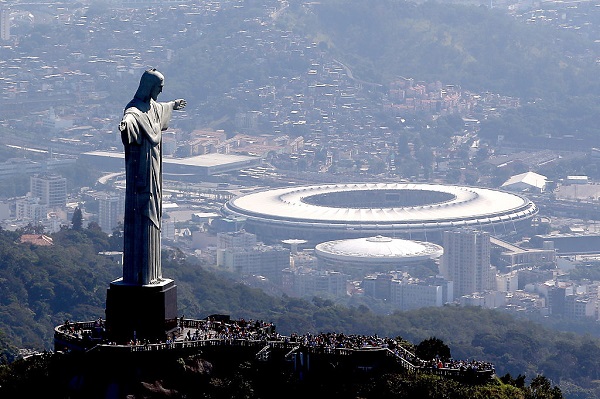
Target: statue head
(151,85)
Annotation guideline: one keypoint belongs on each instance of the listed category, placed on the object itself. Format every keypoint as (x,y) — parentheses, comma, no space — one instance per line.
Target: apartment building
(466,261)
(51,189)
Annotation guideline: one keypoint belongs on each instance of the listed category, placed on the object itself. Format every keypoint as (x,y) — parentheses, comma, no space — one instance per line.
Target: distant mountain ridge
(473,46)
(552,71)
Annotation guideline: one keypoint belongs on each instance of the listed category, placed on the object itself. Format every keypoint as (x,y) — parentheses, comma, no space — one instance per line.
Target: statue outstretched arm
(179,104)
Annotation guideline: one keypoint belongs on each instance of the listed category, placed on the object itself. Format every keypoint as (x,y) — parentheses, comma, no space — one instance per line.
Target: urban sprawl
(321,125)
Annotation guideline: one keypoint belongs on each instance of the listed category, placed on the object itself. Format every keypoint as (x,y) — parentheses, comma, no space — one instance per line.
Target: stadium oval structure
(378,249)
(359,256)
(324,212)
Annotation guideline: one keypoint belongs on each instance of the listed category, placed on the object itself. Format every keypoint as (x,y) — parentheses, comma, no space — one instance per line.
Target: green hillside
(473,46)
(552,70)
(43,286)
(478,48)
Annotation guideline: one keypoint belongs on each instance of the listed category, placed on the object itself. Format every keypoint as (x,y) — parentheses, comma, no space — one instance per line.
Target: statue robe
(141,133)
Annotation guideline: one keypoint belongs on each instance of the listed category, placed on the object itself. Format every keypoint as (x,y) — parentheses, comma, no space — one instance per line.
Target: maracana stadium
(325,212)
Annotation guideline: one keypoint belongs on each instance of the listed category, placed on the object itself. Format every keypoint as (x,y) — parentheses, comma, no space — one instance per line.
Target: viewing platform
(259,341)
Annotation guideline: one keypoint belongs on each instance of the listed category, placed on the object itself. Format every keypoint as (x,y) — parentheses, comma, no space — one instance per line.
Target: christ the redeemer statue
(142,304)
(141,129)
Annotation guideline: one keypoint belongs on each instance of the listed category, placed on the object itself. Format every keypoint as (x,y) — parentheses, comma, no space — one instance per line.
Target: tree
(33,229)
(453,176)
(541,388)
(518,382)
(77,220)
(433,348)
(116,238)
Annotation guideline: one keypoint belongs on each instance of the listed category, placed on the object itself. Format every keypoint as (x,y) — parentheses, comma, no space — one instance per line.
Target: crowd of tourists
(224,329)
(463,365)
(210,328)
(333,340)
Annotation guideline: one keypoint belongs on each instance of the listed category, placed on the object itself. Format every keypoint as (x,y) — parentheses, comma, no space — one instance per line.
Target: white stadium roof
(378,249)
(464,203)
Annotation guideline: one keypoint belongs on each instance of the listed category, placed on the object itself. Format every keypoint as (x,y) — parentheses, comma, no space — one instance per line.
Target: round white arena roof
(378,249)
(369,209)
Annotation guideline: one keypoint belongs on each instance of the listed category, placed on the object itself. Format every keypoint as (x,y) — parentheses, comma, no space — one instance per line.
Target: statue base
(143,312)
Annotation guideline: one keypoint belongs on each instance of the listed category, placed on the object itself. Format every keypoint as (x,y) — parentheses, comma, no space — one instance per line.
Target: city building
(4,24)
(229,241)
(179,169)
(576,180)
(564,299)
(303,259)
(29,208)
(486,299)
(526,302)
(466,261)
(406,292)
(4,211)
(110,212)
(51,189)
(53,223)
(259,260)
(167,229)
(378,286)
(556,295)
(20,166)
(507,256)
(507,282)
(567,298)
(528,181)
(408,295)
(236,239)
(568,243)
(307,282)
(580,306)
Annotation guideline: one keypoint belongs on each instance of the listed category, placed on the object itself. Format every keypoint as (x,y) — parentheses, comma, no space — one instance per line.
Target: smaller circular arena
(325,212)
(358,257)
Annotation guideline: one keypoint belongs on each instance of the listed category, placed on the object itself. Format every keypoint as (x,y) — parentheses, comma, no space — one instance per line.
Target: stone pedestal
(140,311)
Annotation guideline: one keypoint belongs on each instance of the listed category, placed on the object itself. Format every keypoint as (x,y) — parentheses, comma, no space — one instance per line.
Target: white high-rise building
(236,239)
(260,260)
(30,208)
(407,296)
(4,24)
(110,212)
(51,189)
(308,282)
(407,293)
(466,261)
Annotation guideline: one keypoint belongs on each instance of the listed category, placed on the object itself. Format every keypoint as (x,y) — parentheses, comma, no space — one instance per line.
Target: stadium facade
(324,212)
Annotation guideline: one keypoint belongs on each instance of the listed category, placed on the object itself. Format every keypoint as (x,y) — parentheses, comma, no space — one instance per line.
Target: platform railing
(87,335)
